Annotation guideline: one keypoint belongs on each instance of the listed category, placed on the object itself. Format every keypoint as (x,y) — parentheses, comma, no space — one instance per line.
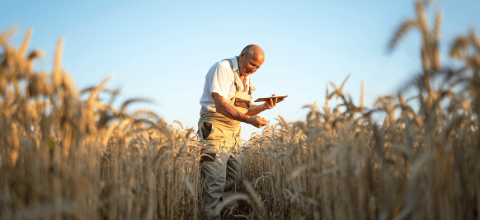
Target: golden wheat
(63,157)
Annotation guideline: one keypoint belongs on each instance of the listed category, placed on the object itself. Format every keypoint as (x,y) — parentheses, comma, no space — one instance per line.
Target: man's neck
(238,65)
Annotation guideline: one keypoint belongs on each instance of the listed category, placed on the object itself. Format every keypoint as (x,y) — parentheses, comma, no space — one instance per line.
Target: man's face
(249,65)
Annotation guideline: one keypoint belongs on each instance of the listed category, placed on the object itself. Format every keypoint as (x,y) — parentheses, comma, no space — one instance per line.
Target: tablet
(271,97)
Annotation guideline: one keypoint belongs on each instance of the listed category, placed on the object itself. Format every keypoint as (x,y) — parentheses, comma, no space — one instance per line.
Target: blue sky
(162,49)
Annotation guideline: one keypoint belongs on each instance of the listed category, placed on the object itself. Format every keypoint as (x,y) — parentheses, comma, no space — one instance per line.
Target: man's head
(250,59)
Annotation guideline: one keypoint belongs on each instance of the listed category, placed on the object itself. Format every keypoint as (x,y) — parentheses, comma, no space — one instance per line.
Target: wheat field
(67,157)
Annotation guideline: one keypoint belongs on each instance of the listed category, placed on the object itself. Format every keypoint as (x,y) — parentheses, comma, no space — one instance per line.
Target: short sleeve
(221,81)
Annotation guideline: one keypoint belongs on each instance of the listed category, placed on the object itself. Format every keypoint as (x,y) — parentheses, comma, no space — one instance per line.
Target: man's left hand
(272,102)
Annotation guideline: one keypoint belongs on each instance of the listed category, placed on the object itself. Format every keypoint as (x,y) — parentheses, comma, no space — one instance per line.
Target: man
(227,101)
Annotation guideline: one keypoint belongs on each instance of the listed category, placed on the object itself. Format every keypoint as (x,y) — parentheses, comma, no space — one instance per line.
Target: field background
(70,151)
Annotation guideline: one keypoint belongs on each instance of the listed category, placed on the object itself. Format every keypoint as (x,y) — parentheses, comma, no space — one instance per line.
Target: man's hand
(229,111)
(257,121)
(272,102)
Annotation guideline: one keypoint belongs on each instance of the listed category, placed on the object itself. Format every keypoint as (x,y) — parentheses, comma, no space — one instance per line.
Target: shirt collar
(235,63)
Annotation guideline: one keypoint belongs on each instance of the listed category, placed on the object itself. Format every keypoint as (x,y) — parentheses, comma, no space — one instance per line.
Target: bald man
(226,102)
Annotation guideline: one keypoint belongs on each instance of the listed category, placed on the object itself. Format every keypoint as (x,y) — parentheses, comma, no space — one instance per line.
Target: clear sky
(162,49)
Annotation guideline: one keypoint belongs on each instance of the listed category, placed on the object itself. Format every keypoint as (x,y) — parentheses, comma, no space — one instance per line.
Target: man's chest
(244,81)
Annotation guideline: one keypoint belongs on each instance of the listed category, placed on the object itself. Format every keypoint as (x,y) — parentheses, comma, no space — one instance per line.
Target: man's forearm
(230,112)
(255,110)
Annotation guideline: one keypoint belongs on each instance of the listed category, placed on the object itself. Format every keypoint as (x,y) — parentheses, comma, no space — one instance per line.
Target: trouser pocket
(210,131)
(206,130)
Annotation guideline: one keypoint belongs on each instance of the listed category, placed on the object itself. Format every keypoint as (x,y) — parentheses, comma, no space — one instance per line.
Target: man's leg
(233,179)
(214,174)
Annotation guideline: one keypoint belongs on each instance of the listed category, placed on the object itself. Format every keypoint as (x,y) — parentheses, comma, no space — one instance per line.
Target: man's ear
(242,54)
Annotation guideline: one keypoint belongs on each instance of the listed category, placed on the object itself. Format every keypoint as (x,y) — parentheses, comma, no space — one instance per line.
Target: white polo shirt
(220,79)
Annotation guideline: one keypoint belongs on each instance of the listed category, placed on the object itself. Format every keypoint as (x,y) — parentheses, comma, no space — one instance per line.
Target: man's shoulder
(222,66)
(225,63)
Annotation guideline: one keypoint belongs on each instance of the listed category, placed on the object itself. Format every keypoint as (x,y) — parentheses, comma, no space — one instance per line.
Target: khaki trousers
(220,167)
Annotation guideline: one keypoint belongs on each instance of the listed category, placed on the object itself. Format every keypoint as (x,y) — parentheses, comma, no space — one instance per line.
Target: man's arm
(229,111)
(256,109)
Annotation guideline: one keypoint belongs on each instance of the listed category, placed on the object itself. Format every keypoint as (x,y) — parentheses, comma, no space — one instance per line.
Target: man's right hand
(229,111)
(257,121)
